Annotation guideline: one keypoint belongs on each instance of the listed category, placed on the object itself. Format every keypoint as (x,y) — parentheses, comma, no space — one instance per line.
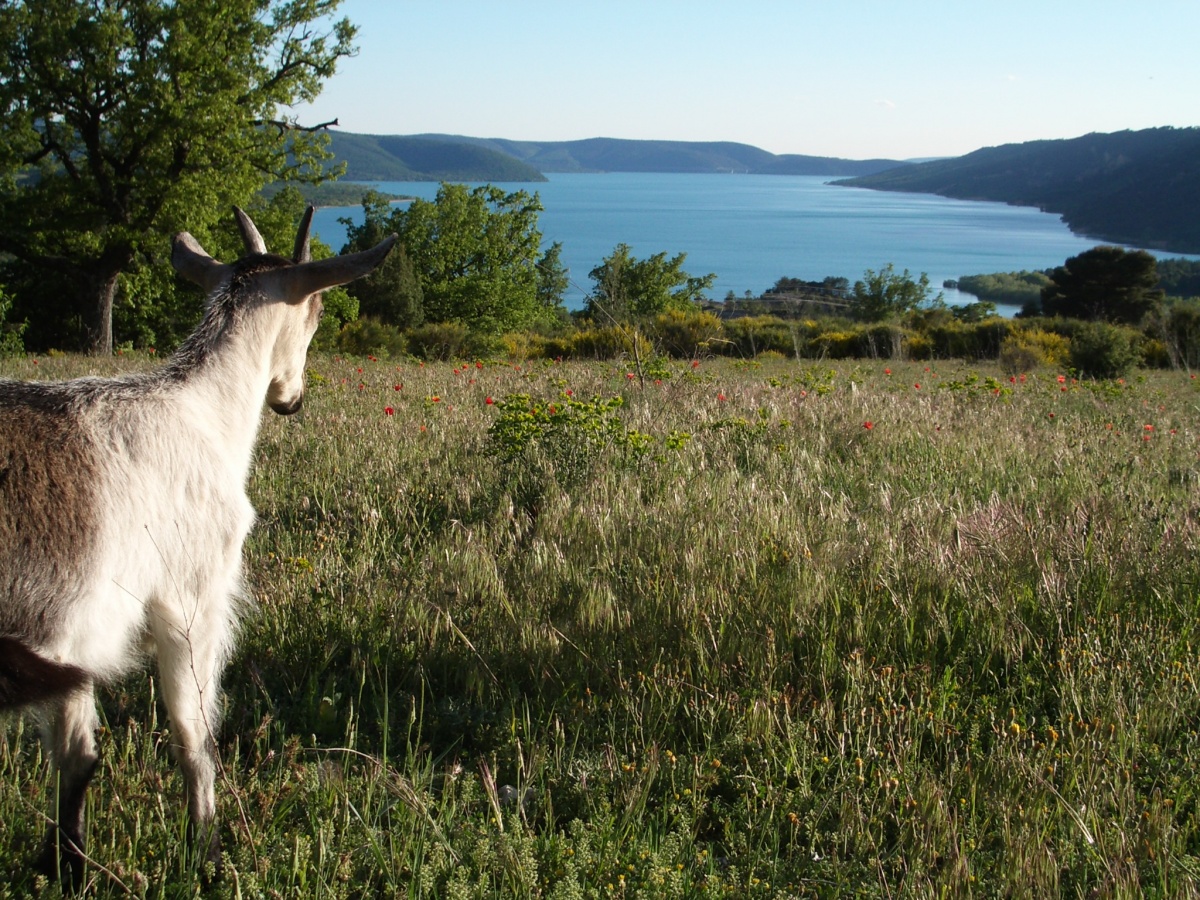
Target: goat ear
(191,261)
(253,240)
(299,281)
(303,252)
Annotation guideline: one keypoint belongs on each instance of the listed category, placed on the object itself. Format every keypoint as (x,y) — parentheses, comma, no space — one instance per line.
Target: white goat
(123,511)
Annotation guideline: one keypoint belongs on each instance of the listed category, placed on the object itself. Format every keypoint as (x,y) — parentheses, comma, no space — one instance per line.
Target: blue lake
(754,229)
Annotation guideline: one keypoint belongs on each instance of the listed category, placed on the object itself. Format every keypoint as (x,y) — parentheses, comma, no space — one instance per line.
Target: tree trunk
(101,289)
(99,327)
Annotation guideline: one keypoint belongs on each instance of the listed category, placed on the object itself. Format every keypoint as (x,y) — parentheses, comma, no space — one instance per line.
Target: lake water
(754,229)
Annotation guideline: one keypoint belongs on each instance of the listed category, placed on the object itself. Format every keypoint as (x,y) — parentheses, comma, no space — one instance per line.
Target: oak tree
(123,121)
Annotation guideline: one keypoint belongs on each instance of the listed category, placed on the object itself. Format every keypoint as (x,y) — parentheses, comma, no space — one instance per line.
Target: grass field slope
(689,629)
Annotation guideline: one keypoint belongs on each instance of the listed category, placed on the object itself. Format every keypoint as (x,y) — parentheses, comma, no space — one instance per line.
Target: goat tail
(27,678)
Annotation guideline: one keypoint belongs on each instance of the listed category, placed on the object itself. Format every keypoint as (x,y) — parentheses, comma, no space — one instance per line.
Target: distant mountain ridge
(444,157)
(1140,188)
(1131,187)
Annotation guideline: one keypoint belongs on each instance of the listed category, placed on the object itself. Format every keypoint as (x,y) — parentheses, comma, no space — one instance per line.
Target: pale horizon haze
(858,79)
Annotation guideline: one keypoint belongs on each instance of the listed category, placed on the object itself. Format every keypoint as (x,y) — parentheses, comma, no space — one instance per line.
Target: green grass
(722,639)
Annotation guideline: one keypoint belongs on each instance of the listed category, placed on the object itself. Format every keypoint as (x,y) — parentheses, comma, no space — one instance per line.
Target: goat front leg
(71,738)
(188,663)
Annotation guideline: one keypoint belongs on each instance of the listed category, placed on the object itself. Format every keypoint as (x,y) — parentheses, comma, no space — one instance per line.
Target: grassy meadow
(727,629)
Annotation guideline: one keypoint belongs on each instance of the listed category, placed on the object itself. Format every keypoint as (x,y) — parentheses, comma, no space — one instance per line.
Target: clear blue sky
(849,78)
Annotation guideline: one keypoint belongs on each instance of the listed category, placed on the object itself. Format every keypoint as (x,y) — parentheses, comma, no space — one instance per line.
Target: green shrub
(364,337)
(608,343)
(1182,332)
(1155,354)
(686,334)
(1027,349)
(439,340)
(836,344)
(882,341)
(918,346)
(751,335)
(11,342)
(1104,351)
(523,345)
(973,341)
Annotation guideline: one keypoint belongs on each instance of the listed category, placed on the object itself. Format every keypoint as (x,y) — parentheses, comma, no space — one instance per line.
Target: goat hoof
(207,854)
(62,859)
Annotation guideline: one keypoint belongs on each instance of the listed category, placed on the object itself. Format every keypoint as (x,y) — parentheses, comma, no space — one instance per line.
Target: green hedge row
(1018,344)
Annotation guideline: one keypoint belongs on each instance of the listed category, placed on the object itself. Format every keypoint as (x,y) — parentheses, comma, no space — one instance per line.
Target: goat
(123,511)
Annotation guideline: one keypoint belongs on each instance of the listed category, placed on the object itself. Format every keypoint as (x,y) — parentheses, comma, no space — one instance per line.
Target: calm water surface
(753,229)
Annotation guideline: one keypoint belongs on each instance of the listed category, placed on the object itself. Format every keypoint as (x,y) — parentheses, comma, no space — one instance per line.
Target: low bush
(1100,350)
(608,343)
(1027,349)
(439,340)
(370,337)
(751,335)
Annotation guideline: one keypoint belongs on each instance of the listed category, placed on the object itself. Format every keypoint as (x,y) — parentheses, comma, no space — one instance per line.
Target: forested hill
(1132,187)
(373,157)
(433,157)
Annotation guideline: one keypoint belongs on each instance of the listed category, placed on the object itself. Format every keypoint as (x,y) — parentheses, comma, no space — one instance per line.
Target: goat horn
(253,240)
(191,261)
(303,252)
(298,281)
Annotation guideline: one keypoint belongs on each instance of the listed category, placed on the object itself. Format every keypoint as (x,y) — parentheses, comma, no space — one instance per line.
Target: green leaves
(472,255)
(628,287)
(884,294)
(1108,284)
(128,121)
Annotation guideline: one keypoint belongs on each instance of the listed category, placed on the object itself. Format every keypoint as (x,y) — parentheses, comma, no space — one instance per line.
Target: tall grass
(758,630)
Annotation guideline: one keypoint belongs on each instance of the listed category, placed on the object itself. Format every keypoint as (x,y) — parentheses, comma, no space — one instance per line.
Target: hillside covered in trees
(1132,187)
(438,157)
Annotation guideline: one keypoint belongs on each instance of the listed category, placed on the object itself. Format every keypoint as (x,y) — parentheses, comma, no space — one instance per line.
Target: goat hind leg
(71,737)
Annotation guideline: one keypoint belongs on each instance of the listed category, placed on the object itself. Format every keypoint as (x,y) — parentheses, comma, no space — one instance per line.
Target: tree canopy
(1108,284)
(472,255)
(627,287)
(885,294)
(127,120)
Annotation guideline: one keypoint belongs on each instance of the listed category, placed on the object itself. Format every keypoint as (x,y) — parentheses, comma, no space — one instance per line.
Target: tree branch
(284,125)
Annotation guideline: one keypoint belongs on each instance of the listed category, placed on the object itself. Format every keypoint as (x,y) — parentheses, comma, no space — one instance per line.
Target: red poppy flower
(388,411)
(868,424)
(721,397)
(887,371)
(489,401)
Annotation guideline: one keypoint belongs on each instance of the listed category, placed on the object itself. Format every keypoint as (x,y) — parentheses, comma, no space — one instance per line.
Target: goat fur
(123,511)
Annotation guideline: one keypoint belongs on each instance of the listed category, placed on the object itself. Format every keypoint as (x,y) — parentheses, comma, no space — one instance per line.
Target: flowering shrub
(1027,349)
